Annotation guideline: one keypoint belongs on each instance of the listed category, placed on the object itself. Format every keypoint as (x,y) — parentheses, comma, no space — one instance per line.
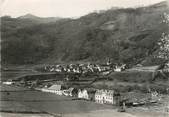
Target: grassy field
(14,71)
(4,114)
(124,86)
(16,107)
(51,103)
(132,76)
(38,102)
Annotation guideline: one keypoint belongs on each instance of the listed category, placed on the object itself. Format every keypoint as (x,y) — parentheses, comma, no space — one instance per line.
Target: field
(45,102)
(11,72)
(132,76)
(17,101)
(4,114)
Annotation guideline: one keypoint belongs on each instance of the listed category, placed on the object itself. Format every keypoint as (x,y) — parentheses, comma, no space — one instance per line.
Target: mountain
(10,24)
(124,35)
(28,16)
(39,19)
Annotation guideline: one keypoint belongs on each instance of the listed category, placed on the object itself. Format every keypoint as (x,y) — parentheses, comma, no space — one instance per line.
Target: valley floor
(38,104)
(22,102)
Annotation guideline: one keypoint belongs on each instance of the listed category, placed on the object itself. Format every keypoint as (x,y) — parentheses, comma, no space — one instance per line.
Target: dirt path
(147,68)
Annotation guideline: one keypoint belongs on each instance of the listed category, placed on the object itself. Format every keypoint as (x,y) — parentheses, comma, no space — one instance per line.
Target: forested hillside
(123,35)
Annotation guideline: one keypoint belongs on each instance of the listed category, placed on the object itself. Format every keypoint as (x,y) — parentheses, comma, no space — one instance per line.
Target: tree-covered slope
(123,35)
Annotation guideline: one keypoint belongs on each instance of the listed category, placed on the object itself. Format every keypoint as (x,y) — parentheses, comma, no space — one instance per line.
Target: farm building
(83,94)
(53,89)
(107,97)
(8,82)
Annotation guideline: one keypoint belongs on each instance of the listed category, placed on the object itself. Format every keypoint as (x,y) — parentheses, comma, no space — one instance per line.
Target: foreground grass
(5,114)
(51,103)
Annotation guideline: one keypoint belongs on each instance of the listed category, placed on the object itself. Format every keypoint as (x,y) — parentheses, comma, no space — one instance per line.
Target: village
(100,95)
(85,68)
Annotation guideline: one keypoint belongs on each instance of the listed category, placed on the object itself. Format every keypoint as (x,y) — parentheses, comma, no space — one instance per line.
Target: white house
(117,69)
(120,68)
(109,97)
(104,96)
(83,94)
(100,96)
(8,82)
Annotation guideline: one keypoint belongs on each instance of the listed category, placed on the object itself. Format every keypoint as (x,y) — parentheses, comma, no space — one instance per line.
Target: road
(146,68)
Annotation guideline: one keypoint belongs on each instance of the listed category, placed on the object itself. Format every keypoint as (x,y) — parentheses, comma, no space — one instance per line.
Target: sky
(64,8)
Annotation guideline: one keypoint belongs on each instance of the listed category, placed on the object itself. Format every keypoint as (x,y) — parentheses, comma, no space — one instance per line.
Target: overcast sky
(65,8)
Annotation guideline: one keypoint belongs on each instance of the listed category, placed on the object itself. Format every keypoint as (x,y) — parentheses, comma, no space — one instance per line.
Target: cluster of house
(98,96)
(76,68)
(166,67)
(85,68)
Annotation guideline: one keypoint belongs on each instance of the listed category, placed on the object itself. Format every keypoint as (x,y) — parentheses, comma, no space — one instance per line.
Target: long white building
(53,89)
(106,97)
